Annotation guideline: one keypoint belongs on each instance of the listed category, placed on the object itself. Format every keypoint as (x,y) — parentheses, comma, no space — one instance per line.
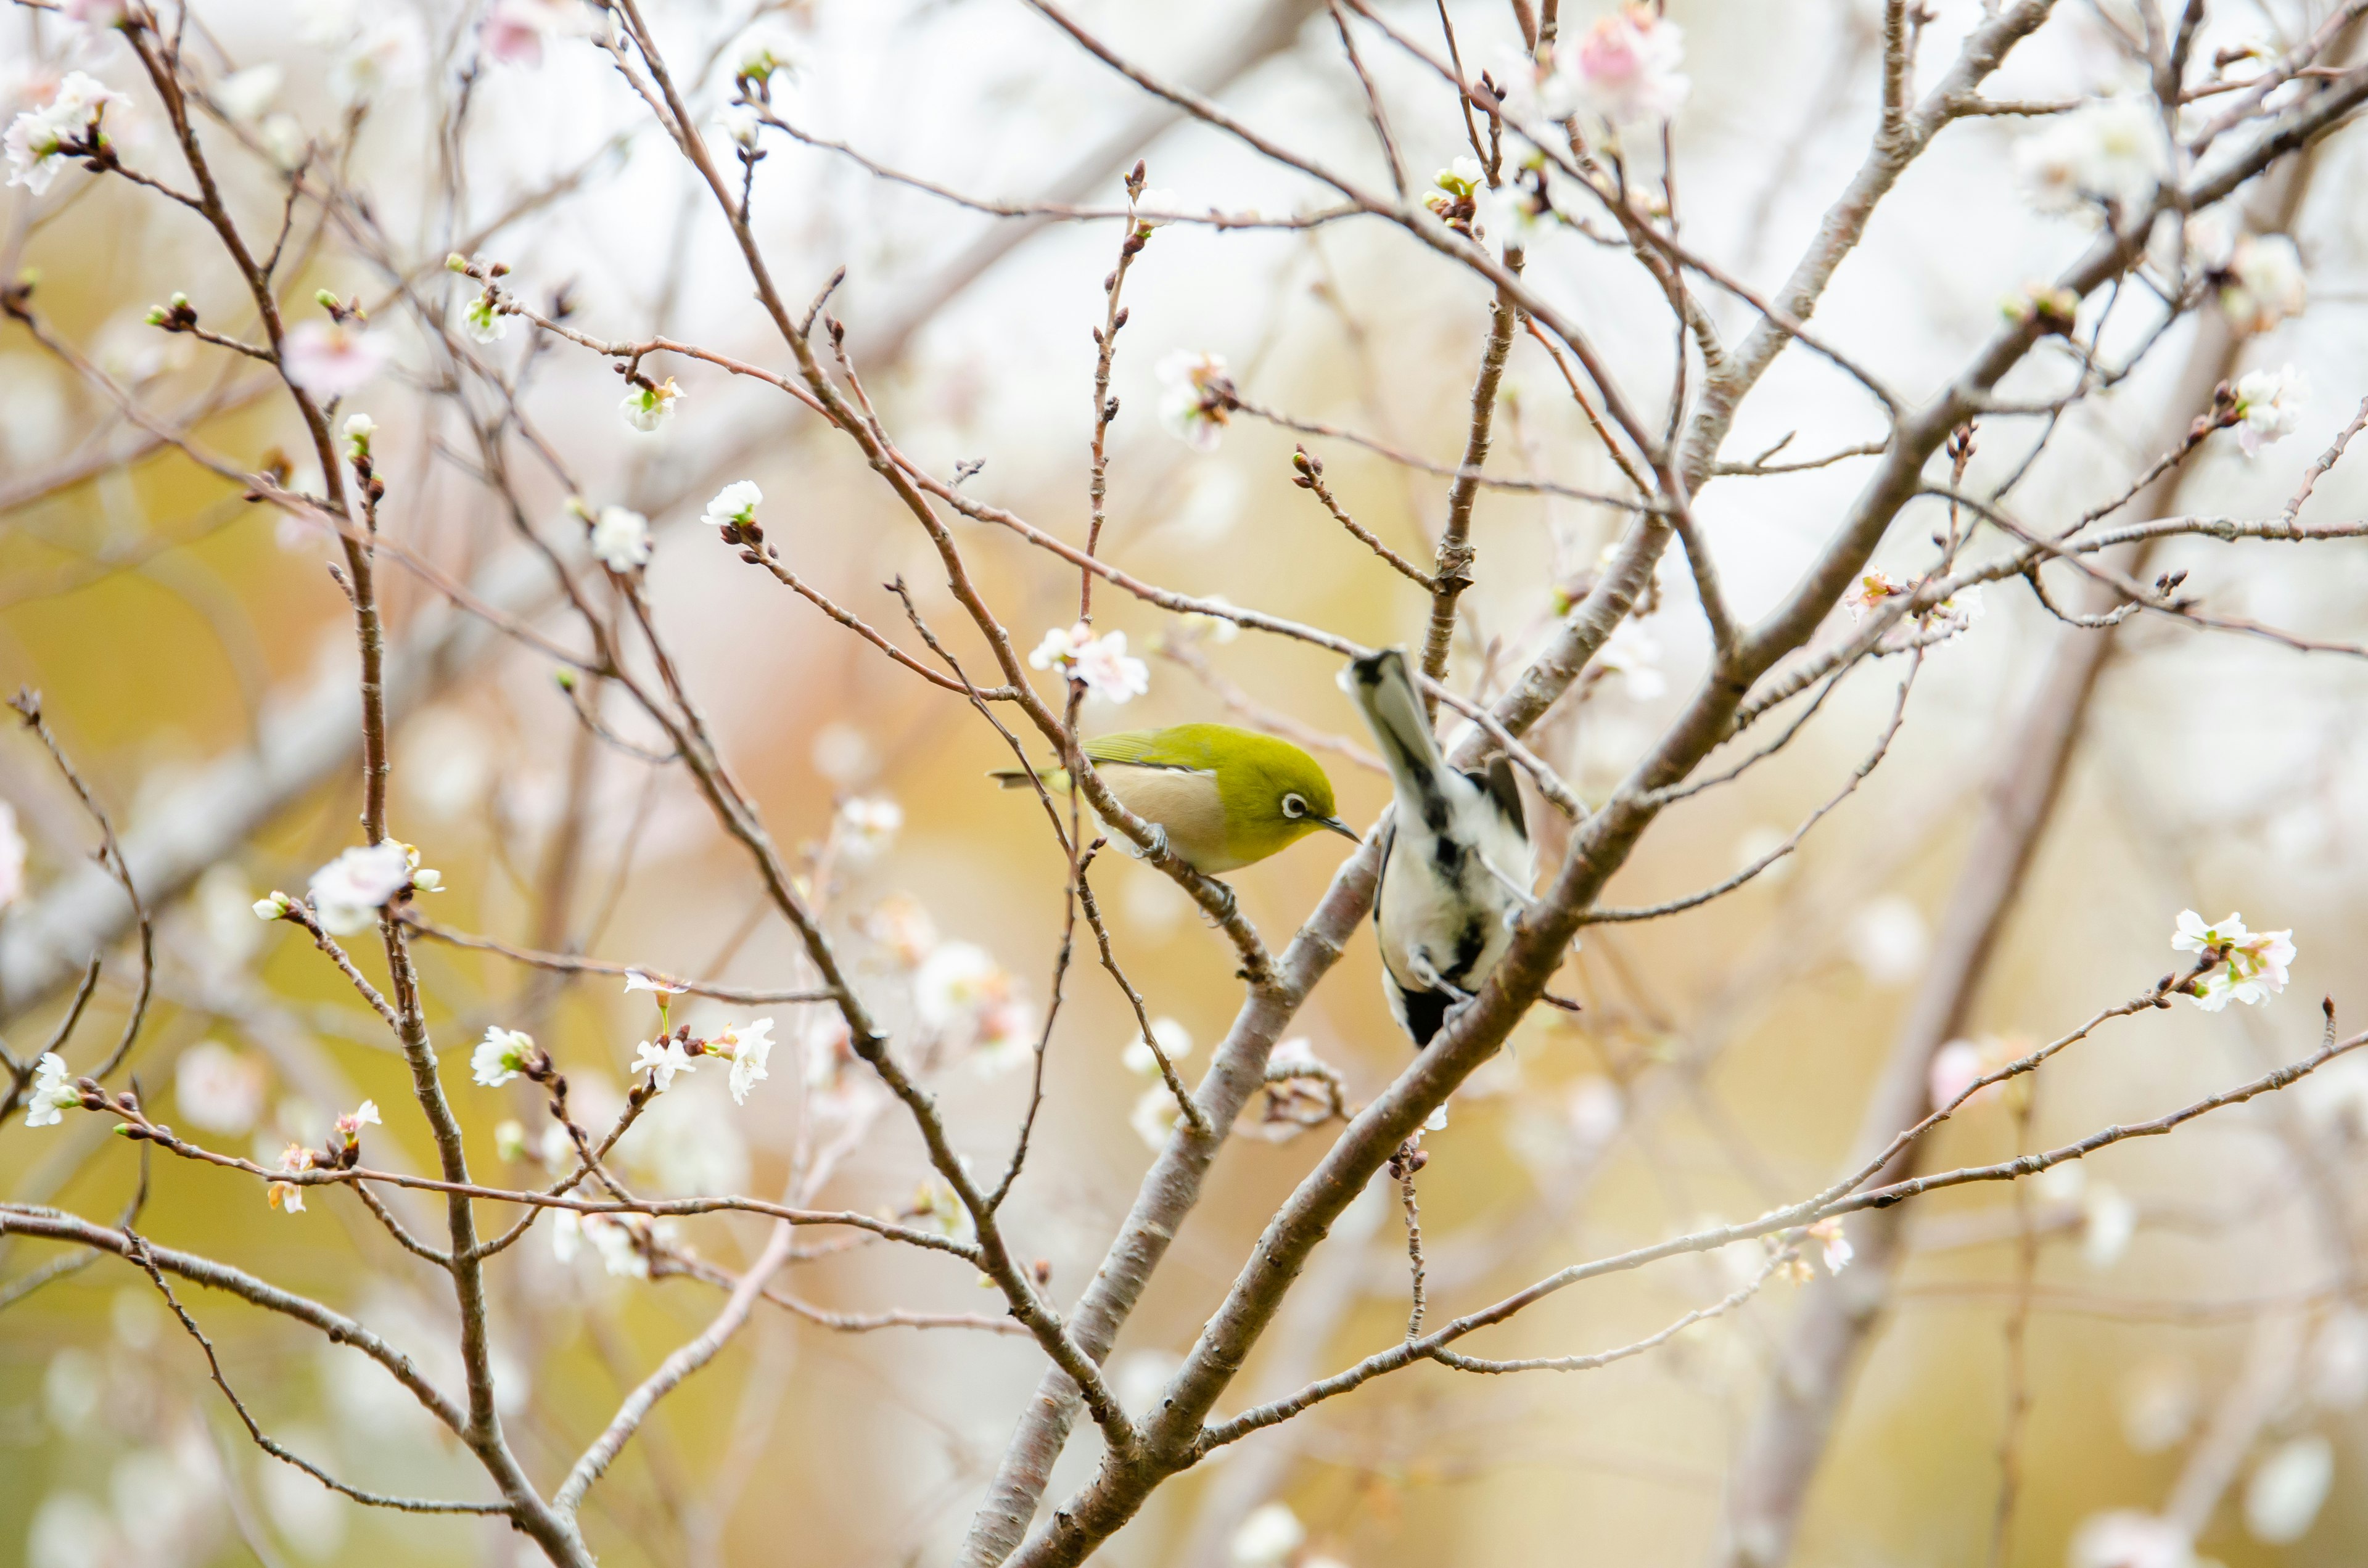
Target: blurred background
(2195,1347)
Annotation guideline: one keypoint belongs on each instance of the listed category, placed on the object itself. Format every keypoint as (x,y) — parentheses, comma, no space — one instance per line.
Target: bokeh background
(2191,1293)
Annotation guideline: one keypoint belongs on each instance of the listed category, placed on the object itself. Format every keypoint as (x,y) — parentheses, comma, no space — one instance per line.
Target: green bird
(1220,797)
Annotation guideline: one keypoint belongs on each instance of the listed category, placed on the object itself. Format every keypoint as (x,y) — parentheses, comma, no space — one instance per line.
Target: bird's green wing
(1150,748)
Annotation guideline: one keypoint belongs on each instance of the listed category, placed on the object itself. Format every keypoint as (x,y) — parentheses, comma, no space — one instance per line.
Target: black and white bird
(1456,863)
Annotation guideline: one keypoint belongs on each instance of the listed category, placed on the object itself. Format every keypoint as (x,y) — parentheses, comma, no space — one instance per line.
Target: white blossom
(1834,1247)
(1155,1115)
(2288,1488)
(347,892)
(2269,406)
(1888,940)
(217,1089)
(619,1241)
(566,1234)
(868,825)
(636,981)
(734,503)
(1625,70)
(287,1196)
(1267,1537)
(741,123)
(1196,403)
(765,50)
(2252,966)
(646,408)
(12,857)
(53,1092)
(1174,1041)
(501,1056)
(284,138)
(2109,1222)
(2109,150)
(247,94)
(349,1126)
(620,538)
(747,1047)
(2127,1538)
(1155,207)
(1100,664)
(35,139)
(1869,591)
(357,430)
(664,1059)
(485,321)
(2265,282)
(333,357)
(377,57)
(1635,655)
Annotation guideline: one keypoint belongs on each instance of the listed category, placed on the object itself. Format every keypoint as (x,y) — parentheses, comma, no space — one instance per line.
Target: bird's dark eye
(1293,806)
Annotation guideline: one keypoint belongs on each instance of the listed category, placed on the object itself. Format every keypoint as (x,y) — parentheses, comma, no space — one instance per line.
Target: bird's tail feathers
(1379,686)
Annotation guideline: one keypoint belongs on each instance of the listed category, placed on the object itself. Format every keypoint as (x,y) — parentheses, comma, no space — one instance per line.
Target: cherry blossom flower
(636,981)
(509,1140)
(939,1207)
(1835,1248)
(288,1197)
(347,892)
(357,430)
(1198,400)
(1155,1115)
(566,1234)
(1173,1040)
(377,56)
(1960,1064)
(1155,207)
(2269,406)
(284,138)
(245,95)
(273,906)
(1634,654)
(620,538)
(12,857)
(55,1092)
(868,825)
(645,408)
(1099,663)
(735,506)
(2109,150)
(501,1056)
(765,50)
(485,321)
(664,1059)
(1454,192)
(2288,1489)
(2252,964)
(513,31)
(2109,1222)
(741,123)
(964,998)
(621,1241)
(747,1047)
(904,928)
(217,1089)
(1872,590)
(1625,70)
(349,1126)
(37,139)
(2264,282)
(333,357)
(2127,1538)
(1267,1537)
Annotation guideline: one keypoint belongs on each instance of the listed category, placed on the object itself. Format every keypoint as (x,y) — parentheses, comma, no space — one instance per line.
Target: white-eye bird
(1456,864)
(1224,798)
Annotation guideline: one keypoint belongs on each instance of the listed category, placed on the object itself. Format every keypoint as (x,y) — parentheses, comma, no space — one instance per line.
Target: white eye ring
(1293,806)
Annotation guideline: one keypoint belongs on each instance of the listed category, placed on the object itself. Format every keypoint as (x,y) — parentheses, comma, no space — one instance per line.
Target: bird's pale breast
(1183,801)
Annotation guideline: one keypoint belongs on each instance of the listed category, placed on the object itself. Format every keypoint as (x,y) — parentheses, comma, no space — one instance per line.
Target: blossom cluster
(37,141)
(1100,664)
(2246,966)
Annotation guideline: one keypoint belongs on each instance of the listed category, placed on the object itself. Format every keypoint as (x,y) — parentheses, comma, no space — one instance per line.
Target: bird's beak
(1343,829)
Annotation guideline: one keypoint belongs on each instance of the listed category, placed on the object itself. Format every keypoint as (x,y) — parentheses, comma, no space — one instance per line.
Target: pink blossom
(1626,68)
(331,359)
